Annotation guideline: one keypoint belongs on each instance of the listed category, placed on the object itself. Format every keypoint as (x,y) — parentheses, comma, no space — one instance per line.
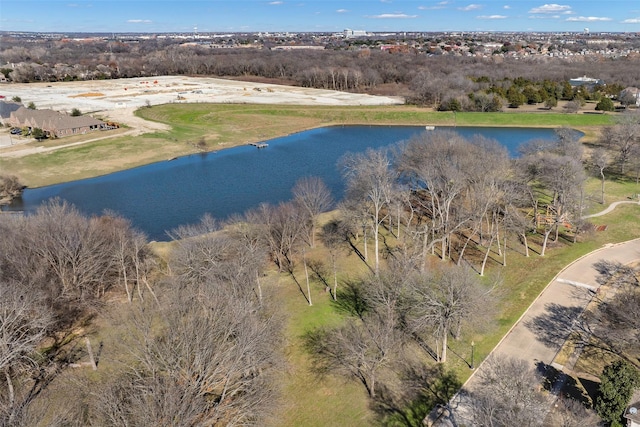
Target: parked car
(16,131)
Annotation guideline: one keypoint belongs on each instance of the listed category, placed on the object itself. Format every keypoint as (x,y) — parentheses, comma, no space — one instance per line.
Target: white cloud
(386,1)
(393,16)
(506,6)
(492,17)
(342,11)
(275,3)
(588,19)
(441,5)
(544,17)
(139,21)
(551,8)
(470,7)
(631,21)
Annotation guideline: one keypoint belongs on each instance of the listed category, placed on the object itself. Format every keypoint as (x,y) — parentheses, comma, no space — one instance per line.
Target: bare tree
(10,187)
(369,182)
(442,302)
(234,255)
(283,226)
(564,176)
(623,137)
(77,251)
(252,248)
(568,412)
(131,257)
(600,160)
(359,349)
(205,356)
(435,164)
(334,239)
(509,394)
(25,320)
(556,169)
(313,195)
(616,323)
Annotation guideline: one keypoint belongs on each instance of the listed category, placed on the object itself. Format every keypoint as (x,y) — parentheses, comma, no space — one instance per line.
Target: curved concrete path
(611,207)
(539,334)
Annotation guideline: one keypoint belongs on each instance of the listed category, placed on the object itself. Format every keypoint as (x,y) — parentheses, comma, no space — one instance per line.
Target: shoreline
(314,117)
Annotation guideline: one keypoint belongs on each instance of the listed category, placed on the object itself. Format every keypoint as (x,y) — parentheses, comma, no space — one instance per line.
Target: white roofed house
(586,81)
(630,96)
(53,123)
(632,415)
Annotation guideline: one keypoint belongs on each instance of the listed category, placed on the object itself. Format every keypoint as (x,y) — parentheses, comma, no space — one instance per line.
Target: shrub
(605,104)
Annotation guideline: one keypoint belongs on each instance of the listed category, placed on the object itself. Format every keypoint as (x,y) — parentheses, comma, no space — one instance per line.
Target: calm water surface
(162,196)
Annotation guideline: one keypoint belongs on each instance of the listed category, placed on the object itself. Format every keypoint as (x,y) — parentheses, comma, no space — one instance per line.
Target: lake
(162,196)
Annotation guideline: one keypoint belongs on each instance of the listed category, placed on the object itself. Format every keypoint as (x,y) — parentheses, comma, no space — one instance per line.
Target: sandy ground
(115,100)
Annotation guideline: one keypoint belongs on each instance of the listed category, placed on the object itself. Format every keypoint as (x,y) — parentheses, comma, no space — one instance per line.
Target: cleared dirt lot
(116,100)
(110,98)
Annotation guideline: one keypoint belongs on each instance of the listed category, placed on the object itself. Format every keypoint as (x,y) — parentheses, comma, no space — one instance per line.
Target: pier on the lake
(259,144)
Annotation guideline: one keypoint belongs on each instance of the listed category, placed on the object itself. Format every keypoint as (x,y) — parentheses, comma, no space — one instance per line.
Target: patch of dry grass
(87,95)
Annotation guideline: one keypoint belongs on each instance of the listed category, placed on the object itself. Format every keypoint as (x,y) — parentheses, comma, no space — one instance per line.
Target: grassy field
(211,127)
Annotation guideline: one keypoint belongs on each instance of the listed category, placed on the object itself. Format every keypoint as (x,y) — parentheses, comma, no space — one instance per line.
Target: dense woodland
(440,81)
(200,334)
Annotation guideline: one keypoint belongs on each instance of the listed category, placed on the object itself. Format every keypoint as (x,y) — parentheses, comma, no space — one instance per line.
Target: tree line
(466,83)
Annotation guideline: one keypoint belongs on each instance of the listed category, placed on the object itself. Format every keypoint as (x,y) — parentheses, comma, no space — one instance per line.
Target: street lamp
(473,346)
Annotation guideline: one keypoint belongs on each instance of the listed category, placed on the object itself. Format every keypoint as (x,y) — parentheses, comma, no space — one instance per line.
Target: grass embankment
(211,127)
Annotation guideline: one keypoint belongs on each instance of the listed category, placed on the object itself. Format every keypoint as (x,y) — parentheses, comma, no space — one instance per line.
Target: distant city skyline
(211,16)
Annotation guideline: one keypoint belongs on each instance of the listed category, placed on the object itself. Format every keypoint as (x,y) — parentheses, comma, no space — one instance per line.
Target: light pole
(473,346)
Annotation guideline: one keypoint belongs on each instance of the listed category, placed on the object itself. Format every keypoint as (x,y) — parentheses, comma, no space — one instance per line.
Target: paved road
(543,328)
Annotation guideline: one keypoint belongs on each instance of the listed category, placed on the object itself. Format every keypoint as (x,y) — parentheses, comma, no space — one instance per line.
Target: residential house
(6,108)
(586,81)
(629,94)
(632,415)
(54,123)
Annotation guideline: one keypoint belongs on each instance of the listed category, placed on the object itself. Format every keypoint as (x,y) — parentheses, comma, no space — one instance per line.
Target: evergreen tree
(567,91)
(605,104)
(38,133)
(618,381)
(515,97)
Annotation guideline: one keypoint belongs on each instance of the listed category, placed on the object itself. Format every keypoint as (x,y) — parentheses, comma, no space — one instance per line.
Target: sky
(223,16)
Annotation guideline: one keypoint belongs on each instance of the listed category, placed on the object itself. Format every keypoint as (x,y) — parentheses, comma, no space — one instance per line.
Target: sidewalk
(541,331)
